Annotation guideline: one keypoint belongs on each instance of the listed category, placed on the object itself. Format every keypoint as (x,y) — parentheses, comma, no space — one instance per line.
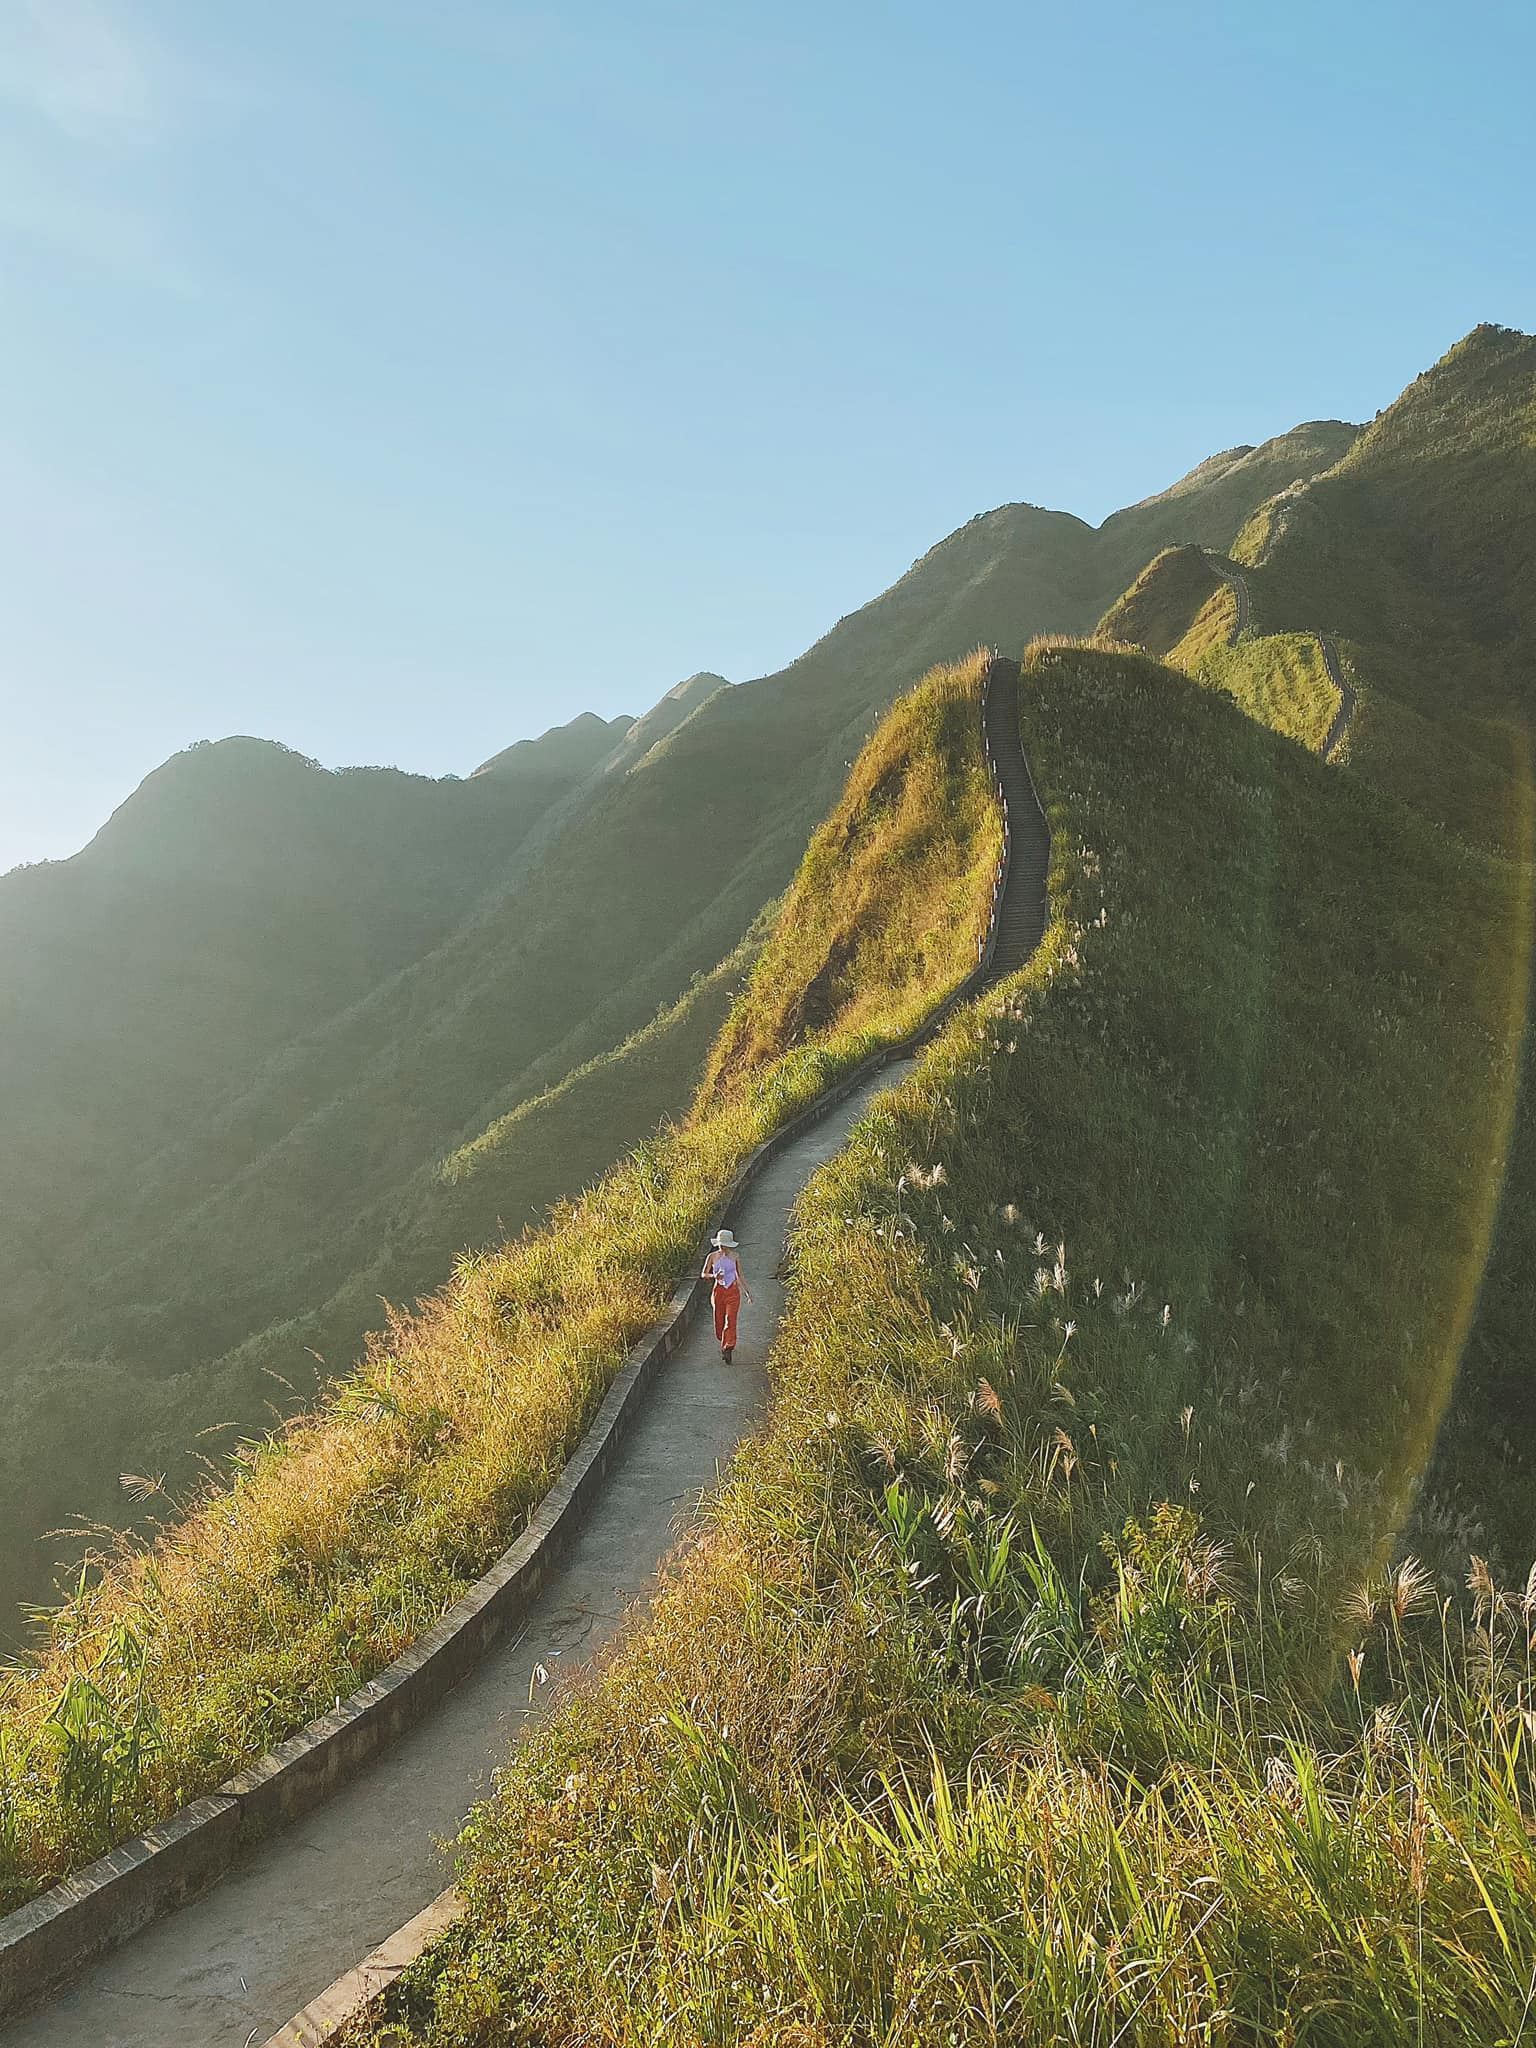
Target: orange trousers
(727,1306)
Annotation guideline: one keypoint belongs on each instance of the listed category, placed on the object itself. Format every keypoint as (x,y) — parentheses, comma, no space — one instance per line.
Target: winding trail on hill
(1338,731)
(232,1966)
(1328,646)
(1237,583)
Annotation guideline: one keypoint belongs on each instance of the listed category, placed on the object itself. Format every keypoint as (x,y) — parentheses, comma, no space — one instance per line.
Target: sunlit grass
(914,827)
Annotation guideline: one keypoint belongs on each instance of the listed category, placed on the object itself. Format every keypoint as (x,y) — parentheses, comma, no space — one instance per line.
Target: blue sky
(398,377)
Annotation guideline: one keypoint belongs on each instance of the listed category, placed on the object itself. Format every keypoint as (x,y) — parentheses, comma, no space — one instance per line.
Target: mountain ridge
(248,1212)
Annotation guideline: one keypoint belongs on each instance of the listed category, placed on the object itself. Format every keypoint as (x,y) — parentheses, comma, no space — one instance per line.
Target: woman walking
(723,1267)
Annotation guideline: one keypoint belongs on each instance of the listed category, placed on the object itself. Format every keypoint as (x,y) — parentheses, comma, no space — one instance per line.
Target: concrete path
(1238,584)
(231,1967)
(1339,729)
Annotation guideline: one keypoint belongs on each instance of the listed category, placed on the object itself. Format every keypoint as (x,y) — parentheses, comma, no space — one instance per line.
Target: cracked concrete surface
(231,1967)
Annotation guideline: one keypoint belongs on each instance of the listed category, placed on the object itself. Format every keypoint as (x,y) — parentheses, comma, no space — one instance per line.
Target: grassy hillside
(833,963)
(1207,504)
(1050,1665)
(999,1701)
(347,1531)
(1418,552)
(222,1219)
(242,895)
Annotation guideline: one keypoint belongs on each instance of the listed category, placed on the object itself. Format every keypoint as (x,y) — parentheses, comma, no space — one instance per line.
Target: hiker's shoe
(725,1352)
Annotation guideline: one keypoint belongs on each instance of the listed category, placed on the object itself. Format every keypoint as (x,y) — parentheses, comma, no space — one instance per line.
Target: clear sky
(398,377)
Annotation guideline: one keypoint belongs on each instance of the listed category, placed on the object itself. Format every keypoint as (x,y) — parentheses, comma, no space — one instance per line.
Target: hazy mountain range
(283,1040)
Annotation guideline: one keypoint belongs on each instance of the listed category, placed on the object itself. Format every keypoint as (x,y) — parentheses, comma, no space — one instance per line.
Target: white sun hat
(724,1241)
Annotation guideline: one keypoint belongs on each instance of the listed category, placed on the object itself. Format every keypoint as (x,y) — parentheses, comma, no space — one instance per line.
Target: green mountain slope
(1159,609)
(543,1151)
(1048,1666)
(1076,1445)
(1419,554)
(246,1208)
(1003,1696)
(240,897)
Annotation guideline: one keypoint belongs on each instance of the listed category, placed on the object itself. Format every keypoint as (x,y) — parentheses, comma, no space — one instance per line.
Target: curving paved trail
(1338,731)
(1238,585)
(1332,662)
(229,1969)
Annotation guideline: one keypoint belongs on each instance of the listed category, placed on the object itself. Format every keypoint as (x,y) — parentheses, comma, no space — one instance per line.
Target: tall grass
(1176,1861)
(342,1535)
(1000,1700)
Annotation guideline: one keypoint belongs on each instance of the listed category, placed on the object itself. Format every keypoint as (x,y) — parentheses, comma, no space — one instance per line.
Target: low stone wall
(114,1897)
(326,2020)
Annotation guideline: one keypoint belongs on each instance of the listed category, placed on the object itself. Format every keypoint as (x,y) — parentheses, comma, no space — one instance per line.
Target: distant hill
(576,747)
(248,1024)
(241,896)
(1158,609)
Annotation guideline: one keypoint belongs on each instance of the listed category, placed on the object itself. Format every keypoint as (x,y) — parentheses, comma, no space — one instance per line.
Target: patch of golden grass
(914,828)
